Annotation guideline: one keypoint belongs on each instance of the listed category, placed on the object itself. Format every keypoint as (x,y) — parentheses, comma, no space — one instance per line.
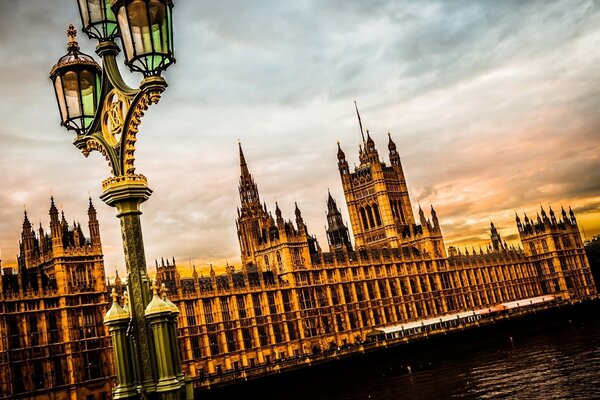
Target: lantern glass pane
(98,18)
(125,33)
(84,11)
(146,33)
(87,87)
(72,95)
(60,98)
(111,26)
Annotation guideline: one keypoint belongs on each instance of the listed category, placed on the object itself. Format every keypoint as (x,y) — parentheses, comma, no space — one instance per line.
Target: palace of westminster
(289,299)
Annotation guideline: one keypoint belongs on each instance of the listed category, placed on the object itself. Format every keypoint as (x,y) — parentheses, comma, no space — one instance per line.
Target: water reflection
(559,363)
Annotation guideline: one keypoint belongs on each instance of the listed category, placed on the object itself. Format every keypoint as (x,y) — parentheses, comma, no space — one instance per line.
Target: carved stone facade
(290,299)
(53,344)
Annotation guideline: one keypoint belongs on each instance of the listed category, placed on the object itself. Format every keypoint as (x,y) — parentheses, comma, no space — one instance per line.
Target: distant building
(53,344)
(291,299)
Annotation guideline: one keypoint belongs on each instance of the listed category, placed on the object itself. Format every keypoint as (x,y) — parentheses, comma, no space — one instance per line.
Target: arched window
(532,248)
(400,211)
(376,212)
(363,216)
(370,215)
(544,245)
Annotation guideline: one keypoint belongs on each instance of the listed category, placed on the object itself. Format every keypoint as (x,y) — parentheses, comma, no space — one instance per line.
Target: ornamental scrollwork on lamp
(103,111)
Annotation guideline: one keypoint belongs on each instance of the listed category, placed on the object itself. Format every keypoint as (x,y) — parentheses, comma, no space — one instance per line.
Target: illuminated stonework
(51,308)
(290,300)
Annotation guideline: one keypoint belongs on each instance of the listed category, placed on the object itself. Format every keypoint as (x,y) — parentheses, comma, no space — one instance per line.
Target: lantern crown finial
(72,34)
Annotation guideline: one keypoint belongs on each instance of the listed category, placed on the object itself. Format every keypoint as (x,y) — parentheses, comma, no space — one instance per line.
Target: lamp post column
(127,195)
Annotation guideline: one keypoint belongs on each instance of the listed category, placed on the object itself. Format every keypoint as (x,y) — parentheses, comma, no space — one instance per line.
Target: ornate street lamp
(104,113)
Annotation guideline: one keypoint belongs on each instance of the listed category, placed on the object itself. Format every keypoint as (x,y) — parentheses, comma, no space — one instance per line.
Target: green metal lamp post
(104,113)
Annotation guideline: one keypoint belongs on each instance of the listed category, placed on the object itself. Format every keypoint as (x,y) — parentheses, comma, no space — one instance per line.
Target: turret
(279,217)
(572,215)
(248,189)
(544,215)
(342,163)
(564,215)
(434,218)
(422,217)
(337,231)
(94,227)
(495,237)
(27,240)
(394,156)
(552,216)
(299,220)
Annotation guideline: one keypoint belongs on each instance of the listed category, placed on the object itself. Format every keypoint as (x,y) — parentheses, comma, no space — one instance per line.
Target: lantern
(76,79)
(98,19)
(146,30)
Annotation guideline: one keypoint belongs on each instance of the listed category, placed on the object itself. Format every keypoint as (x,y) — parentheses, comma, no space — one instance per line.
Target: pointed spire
(53,208)
(91,208)
(362,135)
(370,141)
(26,223)
(340,153)
(517,219)
(572,215)
(330,201)
(243,165)
(391,144)
(543,211)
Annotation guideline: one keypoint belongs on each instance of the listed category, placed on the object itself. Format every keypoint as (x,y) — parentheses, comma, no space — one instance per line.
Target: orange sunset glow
(494,111)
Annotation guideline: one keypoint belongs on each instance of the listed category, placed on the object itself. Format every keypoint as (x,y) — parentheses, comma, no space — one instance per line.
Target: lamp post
(104,113)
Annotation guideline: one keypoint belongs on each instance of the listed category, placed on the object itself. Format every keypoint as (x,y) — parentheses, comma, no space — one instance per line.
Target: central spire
(362,134)
(243,165)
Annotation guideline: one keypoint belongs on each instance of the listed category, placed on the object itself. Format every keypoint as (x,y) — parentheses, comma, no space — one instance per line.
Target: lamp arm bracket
(114,75)
(94,141)
(136,111)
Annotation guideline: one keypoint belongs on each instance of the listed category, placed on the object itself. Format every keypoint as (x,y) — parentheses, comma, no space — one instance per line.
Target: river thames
(558,362)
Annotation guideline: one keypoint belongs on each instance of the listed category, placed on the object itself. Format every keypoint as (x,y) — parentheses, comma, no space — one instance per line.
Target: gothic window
(213,342)
(377,216)
(191,315)
(241,307)
(369,212)
(263,335)
(207,306)
(226,316)
(532,248)
(363,217)
(231,342)
(257,305)
(279,261)
(277,333)
(544,245)
(272,304)
(195,342)
(293,330)
(247,336)
(266,258)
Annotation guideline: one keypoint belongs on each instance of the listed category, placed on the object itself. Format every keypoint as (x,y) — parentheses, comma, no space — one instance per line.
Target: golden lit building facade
(52,341)
(291,299)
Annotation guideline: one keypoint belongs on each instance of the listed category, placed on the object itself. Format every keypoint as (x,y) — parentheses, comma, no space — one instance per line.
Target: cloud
(493,106)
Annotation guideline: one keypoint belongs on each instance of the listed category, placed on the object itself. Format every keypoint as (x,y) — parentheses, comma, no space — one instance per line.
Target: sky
(493,106)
